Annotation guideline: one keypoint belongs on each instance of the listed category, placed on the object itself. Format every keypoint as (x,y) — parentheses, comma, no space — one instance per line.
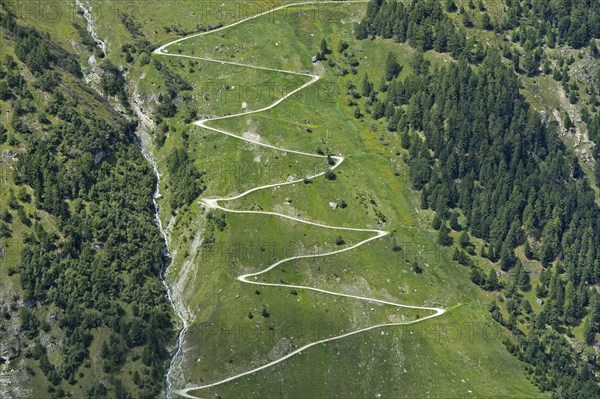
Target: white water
(163,266)
(166,255)
(87,14)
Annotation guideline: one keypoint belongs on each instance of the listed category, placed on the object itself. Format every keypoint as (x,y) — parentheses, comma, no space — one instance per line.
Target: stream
(166,255)
(87,14)
(164,261)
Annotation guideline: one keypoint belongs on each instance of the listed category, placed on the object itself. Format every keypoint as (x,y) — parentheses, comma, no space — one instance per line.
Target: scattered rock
(9,349)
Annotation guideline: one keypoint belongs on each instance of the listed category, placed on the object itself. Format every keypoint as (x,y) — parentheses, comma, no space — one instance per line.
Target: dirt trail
(214,203)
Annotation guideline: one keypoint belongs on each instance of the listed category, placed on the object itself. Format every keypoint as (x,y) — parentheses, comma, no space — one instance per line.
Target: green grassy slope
(223,339)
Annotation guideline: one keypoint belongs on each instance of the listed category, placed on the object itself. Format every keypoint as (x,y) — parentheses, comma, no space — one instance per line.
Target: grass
(223,340)
(372,181)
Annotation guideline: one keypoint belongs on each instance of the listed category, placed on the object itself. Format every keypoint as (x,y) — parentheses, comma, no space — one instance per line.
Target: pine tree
(3,135)
(392,68)
(521,277)
(444,236)
(405,140)
(464,239)
(516,61)
(552,39)
(367,86)
(454,224)
(478,278)
(486,22)
(436,222)
(594,52)
(323,47)
(507,258)
(383,85)
(528,251)
(492,282)
(570,304)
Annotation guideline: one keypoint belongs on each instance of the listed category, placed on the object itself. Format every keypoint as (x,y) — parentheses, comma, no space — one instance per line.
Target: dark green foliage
(454,224)
(392,68)
(499,149)
(29,322)
(521,277)
(220,221)
(186,181)
(488,282)
(113,352)
(463,239)
(36,51)
(3,135)
(486,22)
(511,177)
(422,23)
(102,255)
(420,172)
(436,223)
(415,267)
(367,86)
(450,6)
(175,86)
(573,23)
(462,258)
(594,51)
(444,235)
(323,51)
(113,82)
(405,139)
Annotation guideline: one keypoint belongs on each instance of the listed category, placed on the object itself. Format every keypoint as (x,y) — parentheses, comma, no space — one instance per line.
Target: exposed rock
(100,156)
(333,205)
(9,348)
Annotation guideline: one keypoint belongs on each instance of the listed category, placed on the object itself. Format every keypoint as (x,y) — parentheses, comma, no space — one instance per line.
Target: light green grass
(362,366)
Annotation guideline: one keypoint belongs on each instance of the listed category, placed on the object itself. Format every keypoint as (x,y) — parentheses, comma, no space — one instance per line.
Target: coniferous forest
(479,150)
(510,201)
(92,252)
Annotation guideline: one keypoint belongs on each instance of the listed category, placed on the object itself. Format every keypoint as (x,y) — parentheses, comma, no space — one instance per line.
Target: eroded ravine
(166,255)
(214,203)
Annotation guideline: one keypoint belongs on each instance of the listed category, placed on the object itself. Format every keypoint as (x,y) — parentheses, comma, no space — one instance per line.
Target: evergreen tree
(437,222)
(323,47)
(521,277)
(570,304)
(392,68)
(492,282)
(594,52)
(454,224)
(366,87)
(405,142)
(444,236)
(486,22)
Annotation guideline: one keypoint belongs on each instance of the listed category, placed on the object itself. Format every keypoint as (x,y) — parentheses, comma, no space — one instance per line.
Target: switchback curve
(214,203)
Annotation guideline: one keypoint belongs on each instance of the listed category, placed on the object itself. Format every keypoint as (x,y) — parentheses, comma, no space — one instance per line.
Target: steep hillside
(84,313)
